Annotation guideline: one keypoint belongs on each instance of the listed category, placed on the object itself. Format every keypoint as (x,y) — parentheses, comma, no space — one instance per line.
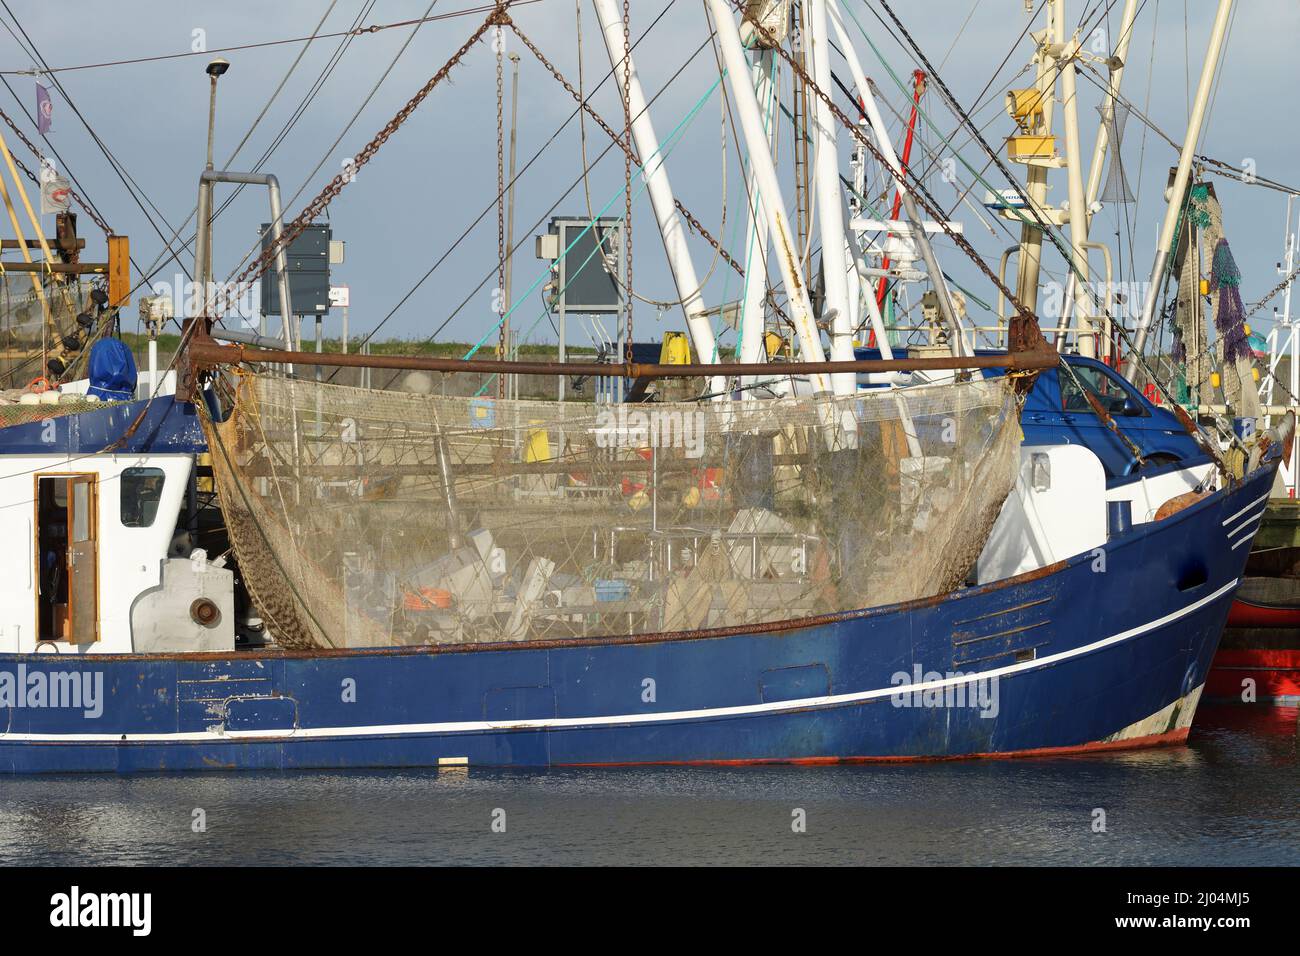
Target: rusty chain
(37,153)
(630,150)
(291,230)
(1272,292)
(569,88)
(698,227)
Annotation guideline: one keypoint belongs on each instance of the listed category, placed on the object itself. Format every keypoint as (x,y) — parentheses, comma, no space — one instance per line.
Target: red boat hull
(1276,675)
(1261,643)
(1249,614)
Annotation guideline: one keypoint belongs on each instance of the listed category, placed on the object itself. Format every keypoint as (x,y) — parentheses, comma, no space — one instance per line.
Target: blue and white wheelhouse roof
(166,426)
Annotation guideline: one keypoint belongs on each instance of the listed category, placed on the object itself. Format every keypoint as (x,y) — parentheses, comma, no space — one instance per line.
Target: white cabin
(96,560)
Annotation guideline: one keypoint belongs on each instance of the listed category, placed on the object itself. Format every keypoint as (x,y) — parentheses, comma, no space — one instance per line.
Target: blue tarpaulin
(111,371)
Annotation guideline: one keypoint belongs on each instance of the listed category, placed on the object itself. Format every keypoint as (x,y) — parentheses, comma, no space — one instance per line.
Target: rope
(355,32)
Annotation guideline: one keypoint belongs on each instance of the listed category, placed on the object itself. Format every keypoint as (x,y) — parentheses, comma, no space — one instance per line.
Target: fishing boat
(866,564)
(999,668)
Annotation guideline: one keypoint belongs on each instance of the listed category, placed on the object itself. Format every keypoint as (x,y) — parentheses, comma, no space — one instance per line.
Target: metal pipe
(36,244)
(247,338)
(1181,177)
(1002,281)
(277,232)
(206,352)
(1108,302)
(680,264)
(213,75)
(202,241)
(59,268)
(1029,265)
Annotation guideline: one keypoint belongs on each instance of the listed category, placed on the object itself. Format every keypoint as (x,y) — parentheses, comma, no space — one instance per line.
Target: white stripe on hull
(542,723)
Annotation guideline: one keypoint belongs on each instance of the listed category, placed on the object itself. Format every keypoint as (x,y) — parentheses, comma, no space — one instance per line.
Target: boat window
(1105,387)
(141,492)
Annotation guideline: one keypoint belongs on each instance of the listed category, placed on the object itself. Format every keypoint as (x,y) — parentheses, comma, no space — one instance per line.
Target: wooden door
(83,560)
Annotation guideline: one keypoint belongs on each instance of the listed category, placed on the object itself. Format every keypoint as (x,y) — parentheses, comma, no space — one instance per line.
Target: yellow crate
(1031,147)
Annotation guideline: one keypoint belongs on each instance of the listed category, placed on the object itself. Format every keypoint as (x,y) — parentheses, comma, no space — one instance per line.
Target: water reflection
(1227,797)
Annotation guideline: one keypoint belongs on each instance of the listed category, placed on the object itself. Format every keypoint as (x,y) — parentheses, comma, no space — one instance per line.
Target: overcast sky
(438,172)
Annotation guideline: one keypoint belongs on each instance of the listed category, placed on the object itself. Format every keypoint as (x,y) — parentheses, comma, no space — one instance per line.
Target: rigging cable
(157,263)
(360,31)
(127,180)
(308,98)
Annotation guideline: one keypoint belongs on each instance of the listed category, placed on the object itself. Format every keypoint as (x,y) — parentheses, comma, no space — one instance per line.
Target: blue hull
(1105,650)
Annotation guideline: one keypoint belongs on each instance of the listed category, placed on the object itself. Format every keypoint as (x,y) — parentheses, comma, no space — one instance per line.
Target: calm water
(1231,797)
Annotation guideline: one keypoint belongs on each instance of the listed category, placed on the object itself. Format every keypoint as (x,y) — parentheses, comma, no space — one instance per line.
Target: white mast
(751,316)
(1188,152)
(1078,216)
(680,263)
(1119,56)
(1284,340)
(764,169)
(1293,335)
(830,208)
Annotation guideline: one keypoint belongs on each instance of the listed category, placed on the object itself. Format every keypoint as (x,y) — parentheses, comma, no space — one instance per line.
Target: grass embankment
(167,344)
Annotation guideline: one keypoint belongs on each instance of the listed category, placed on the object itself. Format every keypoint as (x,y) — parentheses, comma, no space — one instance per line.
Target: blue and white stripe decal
(1260,500)
(547,723)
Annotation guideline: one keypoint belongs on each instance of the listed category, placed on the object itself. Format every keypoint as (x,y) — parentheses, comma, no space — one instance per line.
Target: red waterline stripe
(1168,739)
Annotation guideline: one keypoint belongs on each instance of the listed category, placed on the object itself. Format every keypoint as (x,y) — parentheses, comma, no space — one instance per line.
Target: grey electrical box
(309,272)
(589,279)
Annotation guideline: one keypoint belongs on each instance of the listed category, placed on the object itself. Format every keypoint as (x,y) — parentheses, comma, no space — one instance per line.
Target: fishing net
(1230,315)
(36,325)
(1232,345)
(375,518)
(1190,346)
